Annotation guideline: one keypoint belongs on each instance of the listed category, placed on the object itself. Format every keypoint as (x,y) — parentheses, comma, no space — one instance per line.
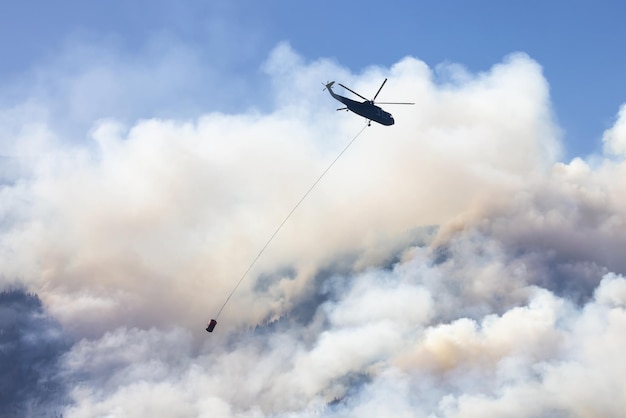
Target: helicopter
(367,108)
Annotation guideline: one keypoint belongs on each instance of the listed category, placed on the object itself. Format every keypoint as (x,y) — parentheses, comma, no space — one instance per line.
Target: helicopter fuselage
(366,108)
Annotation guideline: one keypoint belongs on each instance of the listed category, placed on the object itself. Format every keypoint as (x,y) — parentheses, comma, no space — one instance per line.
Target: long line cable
(287,218)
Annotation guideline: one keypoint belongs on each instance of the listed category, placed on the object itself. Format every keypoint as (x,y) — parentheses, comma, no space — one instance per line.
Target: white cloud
(612,290)
(614,139)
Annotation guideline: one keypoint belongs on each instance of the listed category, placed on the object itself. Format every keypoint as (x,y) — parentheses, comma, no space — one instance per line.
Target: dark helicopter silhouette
(367,108)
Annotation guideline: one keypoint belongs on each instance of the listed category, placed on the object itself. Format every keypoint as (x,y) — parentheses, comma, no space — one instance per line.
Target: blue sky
(578,44)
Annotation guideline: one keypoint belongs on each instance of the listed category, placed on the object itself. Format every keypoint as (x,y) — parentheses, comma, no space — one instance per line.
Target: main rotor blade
(350,90)
(406,103)
(379,89)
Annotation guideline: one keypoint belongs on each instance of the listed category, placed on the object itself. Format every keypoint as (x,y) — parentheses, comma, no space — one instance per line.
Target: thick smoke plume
(447,266)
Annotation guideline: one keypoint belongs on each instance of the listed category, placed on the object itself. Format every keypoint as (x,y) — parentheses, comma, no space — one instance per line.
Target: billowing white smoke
(512,306)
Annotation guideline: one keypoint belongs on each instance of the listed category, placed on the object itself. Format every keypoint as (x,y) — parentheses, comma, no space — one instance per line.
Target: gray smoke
(31,344)
(447,266)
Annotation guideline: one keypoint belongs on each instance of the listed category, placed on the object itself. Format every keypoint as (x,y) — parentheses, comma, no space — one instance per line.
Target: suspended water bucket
(211,325)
